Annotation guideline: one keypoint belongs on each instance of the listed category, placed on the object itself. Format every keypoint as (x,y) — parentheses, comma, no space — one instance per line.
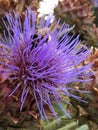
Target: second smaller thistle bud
(76,12)
(41,73)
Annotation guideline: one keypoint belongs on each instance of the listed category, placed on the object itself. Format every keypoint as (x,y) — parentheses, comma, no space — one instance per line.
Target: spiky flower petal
(39,67)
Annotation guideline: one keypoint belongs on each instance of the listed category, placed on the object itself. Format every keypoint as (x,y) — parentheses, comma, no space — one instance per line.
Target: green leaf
(83,127)
(69,126)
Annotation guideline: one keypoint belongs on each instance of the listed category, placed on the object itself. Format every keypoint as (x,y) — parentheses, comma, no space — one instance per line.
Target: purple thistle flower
(42,66)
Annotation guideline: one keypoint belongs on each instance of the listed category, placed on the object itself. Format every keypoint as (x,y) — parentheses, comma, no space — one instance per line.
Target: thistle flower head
(41,67)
